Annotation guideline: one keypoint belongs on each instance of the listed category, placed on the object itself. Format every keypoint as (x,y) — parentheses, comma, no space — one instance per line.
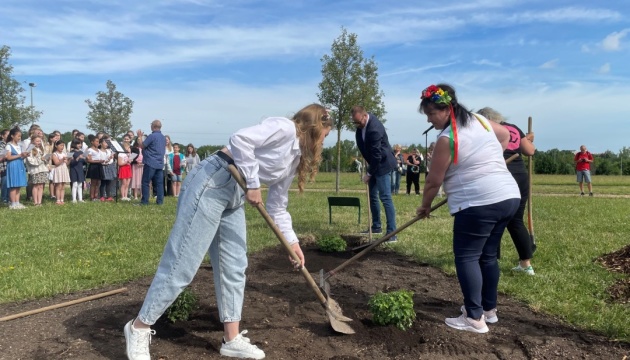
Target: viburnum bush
(183,306)
(331,244)
(393,308)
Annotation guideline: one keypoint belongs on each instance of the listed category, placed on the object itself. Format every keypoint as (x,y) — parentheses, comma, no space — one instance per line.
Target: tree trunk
(338,161)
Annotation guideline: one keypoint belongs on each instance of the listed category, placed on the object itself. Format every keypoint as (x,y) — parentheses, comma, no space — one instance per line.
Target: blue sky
(208,68)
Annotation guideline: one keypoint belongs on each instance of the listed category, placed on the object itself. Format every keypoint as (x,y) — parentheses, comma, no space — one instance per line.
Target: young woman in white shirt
(211,216)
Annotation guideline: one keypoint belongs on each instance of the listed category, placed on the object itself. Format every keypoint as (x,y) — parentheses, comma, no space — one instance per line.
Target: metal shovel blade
(337,321)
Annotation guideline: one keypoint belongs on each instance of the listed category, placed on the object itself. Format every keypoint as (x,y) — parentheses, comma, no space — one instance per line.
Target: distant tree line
(560,162)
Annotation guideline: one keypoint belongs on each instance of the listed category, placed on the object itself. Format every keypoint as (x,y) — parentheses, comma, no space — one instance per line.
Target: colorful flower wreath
(436,95)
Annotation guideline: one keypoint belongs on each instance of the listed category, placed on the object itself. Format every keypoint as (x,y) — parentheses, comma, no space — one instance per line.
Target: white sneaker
(528,270)
(240,347)
(490,315)
(138,341)
(465,323)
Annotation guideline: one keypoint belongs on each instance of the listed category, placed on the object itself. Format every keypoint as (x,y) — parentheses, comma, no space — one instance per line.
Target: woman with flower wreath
(482,198)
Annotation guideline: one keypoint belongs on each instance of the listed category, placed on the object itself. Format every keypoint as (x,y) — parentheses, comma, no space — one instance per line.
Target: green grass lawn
(51,249)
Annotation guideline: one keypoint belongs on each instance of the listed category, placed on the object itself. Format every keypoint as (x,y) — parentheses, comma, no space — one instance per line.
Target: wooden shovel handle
(261,209)
(530,220)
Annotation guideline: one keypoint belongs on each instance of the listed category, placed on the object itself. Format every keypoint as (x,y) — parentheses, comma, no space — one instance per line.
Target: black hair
(12,133)
(75,144)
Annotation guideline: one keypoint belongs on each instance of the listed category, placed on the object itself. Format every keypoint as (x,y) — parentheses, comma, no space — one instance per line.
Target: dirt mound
(285,319)
(618,261)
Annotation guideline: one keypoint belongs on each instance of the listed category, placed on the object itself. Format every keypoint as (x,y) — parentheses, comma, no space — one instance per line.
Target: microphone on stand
(427,130)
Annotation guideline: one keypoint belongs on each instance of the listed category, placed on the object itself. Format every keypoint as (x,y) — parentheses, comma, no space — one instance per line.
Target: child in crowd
(124,170)
(192,159)
(177,164)
(37,166)
(109,170)
(136,168)
(49,149)
(16,173)
(3,166)
(77,176)
(95,169)
(61,175)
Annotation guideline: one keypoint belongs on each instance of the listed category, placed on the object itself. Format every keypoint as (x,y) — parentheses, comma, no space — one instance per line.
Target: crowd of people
(97,164)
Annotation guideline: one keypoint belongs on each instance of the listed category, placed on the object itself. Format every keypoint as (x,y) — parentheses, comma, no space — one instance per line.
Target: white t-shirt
(480,176)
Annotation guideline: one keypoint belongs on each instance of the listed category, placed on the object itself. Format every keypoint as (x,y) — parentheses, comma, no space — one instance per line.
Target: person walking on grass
(519,144)
(374,145)
(481,202)
(583,160)
(211,219)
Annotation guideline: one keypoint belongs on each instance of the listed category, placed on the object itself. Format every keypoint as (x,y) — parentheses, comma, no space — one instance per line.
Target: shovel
(333,310)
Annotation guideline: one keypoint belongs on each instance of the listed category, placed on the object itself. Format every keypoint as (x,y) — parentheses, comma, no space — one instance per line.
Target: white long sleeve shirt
(269,153)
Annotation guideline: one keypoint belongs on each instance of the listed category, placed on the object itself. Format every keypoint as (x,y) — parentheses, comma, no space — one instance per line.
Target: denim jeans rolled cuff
(380,190)
(210,218)
(477,233)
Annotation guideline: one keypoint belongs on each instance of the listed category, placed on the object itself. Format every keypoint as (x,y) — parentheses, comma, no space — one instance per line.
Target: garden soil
(285,319)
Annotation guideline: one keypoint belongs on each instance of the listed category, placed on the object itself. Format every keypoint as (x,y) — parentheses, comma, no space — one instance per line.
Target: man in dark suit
(374,146)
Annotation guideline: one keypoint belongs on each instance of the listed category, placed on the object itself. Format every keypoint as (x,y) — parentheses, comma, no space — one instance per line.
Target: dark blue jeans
(381,189)
(477,233)
(155,176)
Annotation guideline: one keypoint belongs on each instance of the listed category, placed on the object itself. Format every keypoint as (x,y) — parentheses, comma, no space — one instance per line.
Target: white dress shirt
(269,153)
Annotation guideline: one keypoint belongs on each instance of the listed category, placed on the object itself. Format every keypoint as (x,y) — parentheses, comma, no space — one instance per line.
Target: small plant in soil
(393,308)
(183,306)
(331,244)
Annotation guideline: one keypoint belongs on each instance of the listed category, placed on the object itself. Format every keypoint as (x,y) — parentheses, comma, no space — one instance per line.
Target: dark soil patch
(285,319)
(618,261)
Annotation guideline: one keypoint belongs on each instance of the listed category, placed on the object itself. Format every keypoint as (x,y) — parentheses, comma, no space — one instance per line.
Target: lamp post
(32,85)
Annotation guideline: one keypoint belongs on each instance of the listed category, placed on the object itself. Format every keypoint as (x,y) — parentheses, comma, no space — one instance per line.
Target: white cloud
(586,49)
(612,42)
(604,69)
(487,62)
(551,64)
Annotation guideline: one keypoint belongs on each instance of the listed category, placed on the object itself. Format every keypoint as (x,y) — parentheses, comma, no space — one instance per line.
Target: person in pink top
(583,160)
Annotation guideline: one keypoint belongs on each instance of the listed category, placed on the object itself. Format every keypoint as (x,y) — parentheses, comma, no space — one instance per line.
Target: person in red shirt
(583,160)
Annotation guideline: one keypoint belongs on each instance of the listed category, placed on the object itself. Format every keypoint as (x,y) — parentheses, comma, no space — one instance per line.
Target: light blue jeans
(210,218)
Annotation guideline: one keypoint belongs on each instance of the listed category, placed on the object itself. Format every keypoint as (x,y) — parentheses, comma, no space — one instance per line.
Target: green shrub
(395,308)
(183,306)
(331,244)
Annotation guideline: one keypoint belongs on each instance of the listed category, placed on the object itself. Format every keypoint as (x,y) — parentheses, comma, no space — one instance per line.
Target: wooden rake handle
(261,209)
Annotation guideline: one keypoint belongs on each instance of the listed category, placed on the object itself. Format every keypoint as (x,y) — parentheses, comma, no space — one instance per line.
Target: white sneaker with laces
(490,315)
(138,341)
(465,323)
(240,347)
